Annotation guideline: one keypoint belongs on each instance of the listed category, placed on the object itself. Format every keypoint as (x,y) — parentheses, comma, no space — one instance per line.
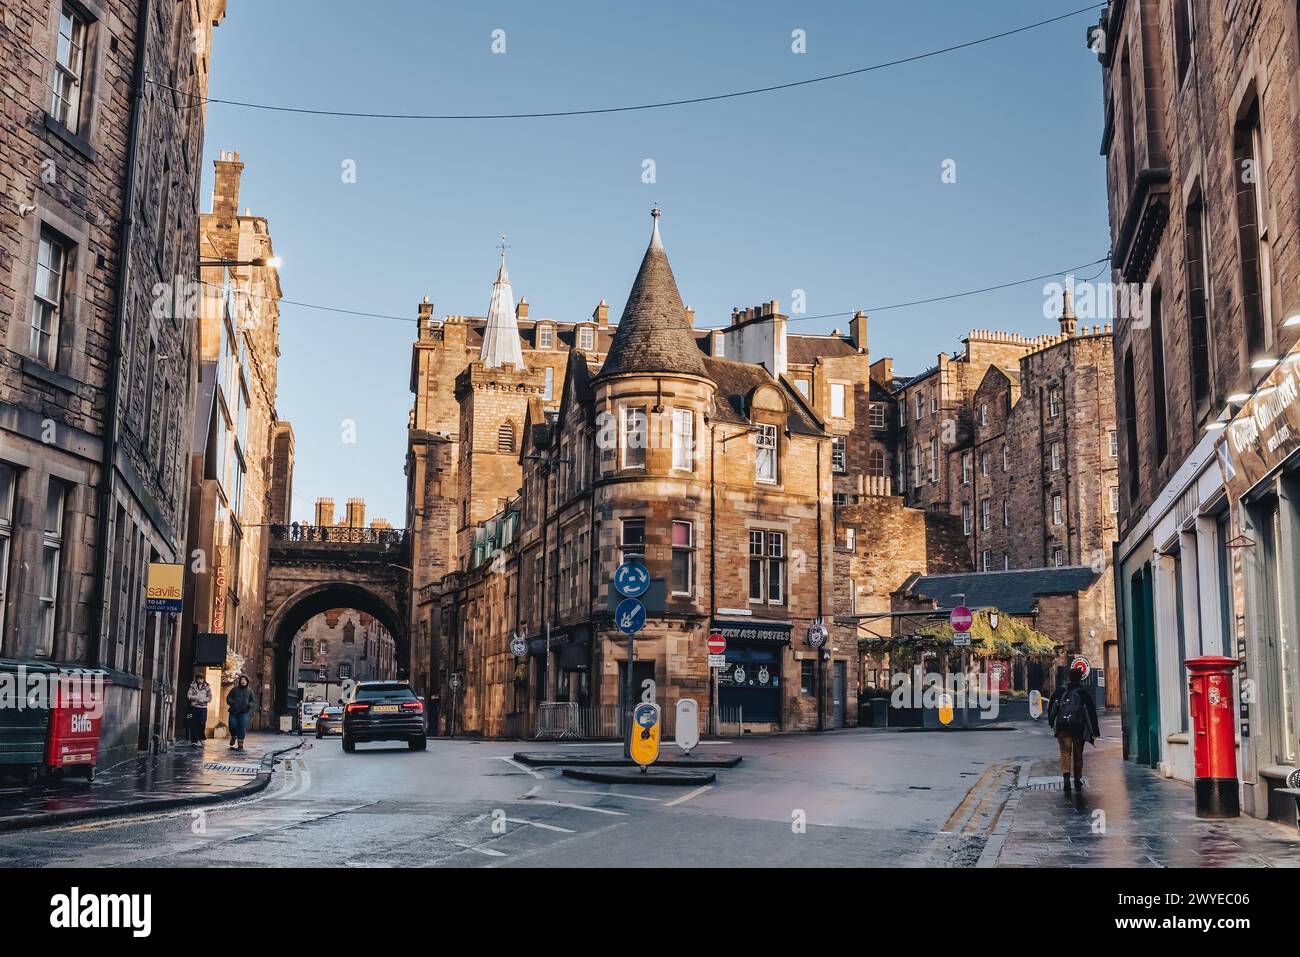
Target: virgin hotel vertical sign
(219,593)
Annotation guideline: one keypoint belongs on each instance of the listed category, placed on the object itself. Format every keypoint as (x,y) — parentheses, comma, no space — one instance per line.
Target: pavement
(1126,816)
(179,777)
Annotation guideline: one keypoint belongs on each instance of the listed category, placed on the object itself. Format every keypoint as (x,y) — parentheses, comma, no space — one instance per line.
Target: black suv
(383,711)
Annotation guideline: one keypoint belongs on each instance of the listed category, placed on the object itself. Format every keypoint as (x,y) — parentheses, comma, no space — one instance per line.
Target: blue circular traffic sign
(631,579)
(645,715)
(629,616)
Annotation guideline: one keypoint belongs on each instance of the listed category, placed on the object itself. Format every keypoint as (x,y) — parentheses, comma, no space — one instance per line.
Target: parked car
(307,713)
(383,711)
(329,721)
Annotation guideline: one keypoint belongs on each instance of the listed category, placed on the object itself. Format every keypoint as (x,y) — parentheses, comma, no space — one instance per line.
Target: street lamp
(273,262)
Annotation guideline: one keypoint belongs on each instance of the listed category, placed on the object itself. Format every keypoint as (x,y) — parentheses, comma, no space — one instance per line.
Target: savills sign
(165,590)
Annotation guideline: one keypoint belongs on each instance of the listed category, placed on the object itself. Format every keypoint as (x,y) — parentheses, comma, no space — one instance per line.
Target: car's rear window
(393,692)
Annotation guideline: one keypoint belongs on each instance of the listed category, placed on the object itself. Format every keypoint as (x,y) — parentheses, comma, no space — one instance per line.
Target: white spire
(655,241)
(501,333)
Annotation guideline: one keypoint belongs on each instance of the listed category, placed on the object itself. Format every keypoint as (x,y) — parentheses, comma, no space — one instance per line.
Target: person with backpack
(1073,717)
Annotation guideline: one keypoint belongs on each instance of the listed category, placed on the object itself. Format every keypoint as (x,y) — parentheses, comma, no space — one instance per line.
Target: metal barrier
(558,719)
(731,720)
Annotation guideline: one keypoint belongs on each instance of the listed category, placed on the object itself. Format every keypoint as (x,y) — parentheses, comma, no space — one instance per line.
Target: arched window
(876,462)
(506,437)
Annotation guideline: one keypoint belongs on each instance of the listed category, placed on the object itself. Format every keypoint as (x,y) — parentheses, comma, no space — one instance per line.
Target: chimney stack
(690,316)
(858,330)
(521,310)
(601,315)
(225,186)
(356,513)
(325,511)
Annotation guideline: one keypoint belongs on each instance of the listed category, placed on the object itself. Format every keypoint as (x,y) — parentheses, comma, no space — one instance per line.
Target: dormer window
(545,336)
(586,338)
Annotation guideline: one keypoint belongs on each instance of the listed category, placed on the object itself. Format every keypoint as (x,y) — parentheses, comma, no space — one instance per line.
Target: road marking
(616,794)
(482,850)
(582,807)
(513,763)
(544,827)
(693,794)
(532,790)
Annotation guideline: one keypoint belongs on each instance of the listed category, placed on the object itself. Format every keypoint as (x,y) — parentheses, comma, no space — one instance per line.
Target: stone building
(235,492)
(1200,144)
(715,456)
(100,148)
(344,644)
(1015,438)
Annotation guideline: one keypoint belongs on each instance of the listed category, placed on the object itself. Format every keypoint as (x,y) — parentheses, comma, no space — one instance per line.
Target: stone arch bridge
(314,568)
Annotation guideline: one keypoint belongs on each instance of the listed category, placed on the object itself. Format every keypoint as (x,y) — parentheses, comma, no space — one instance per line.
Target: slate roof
(736,380)
(804,350)
(1014,592)
(653,335)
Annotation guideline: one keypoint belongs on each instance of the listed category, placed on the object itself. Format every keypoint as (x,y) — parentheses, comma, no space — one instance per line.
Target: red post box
(1214,736)
(75,717)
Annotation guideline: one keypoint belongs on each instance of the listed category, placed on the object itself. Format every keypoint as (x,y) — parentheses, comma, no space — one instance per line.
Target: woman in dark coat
(240,702)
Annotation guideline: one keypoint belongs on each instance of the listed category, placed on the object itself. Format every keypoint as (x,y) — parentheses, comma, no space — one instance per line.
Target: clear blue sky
(833,188)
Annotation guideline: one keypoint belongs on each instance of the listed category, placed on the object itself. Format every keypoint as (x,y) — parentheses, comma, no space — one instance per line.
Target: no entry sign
(717,644)
(960,619)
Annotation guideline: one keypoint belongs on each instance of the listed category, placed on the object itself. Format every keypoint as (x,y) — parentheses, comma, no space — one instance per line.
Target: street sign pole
(631,580)
(627,698)
(955,619)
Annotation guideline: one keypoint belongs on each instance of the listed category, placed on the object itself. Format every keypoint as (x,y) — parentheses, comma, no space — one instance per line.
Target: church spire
(501,333)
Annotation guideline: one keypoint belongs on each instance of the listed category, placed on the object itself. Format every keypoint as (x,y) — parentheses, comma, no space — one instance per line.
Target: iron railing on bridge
(338,534)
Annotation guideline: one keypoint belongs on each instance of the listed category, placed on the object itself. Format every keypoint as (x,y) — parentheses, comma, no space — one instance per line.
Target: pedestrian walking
(199,695)
(240,702)
(1073,717)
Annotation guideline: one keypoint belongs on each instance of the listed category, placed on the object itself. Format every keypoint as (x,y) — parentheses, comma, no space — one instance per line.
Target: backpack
(1072,715)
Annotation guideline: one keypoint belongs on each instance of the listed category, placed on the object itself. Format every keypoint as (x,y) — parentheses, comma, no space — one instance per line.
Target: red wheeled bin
(75,718)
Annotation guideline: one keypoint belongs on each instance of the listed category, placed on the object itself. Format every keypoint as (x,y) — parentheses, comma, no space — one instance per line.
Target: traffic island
(656,774)
(574,759)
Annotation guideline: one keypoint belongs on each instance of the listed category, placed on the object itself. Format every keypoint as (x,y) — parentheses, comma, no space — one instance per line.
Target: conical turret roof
(654,335)
(501,332)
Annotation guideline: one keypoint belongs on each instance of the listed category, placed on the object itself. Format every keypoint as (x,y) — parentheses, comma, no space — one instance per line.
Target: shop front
(1259,454)
(750,687)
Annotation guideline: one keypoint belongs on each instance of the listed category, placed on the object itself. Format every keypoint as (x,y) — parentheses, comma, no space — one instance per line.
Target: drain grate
(1048,784)
(232,768)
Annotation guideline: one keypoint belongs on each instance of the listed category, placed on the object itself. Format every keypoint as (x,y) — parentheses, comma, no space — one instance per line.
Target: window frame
(628,551)
(50,309)
(71,117)
(762,434)
(586,338)
(51,571)
(839,399)
(686,550)
(632,456)
(839,454)
(767,558)
(8,494)
(683,426)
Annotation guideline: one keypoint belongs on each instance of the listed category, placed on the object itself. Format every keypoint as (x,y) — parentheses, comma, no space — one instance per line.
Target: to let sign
(165,591)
